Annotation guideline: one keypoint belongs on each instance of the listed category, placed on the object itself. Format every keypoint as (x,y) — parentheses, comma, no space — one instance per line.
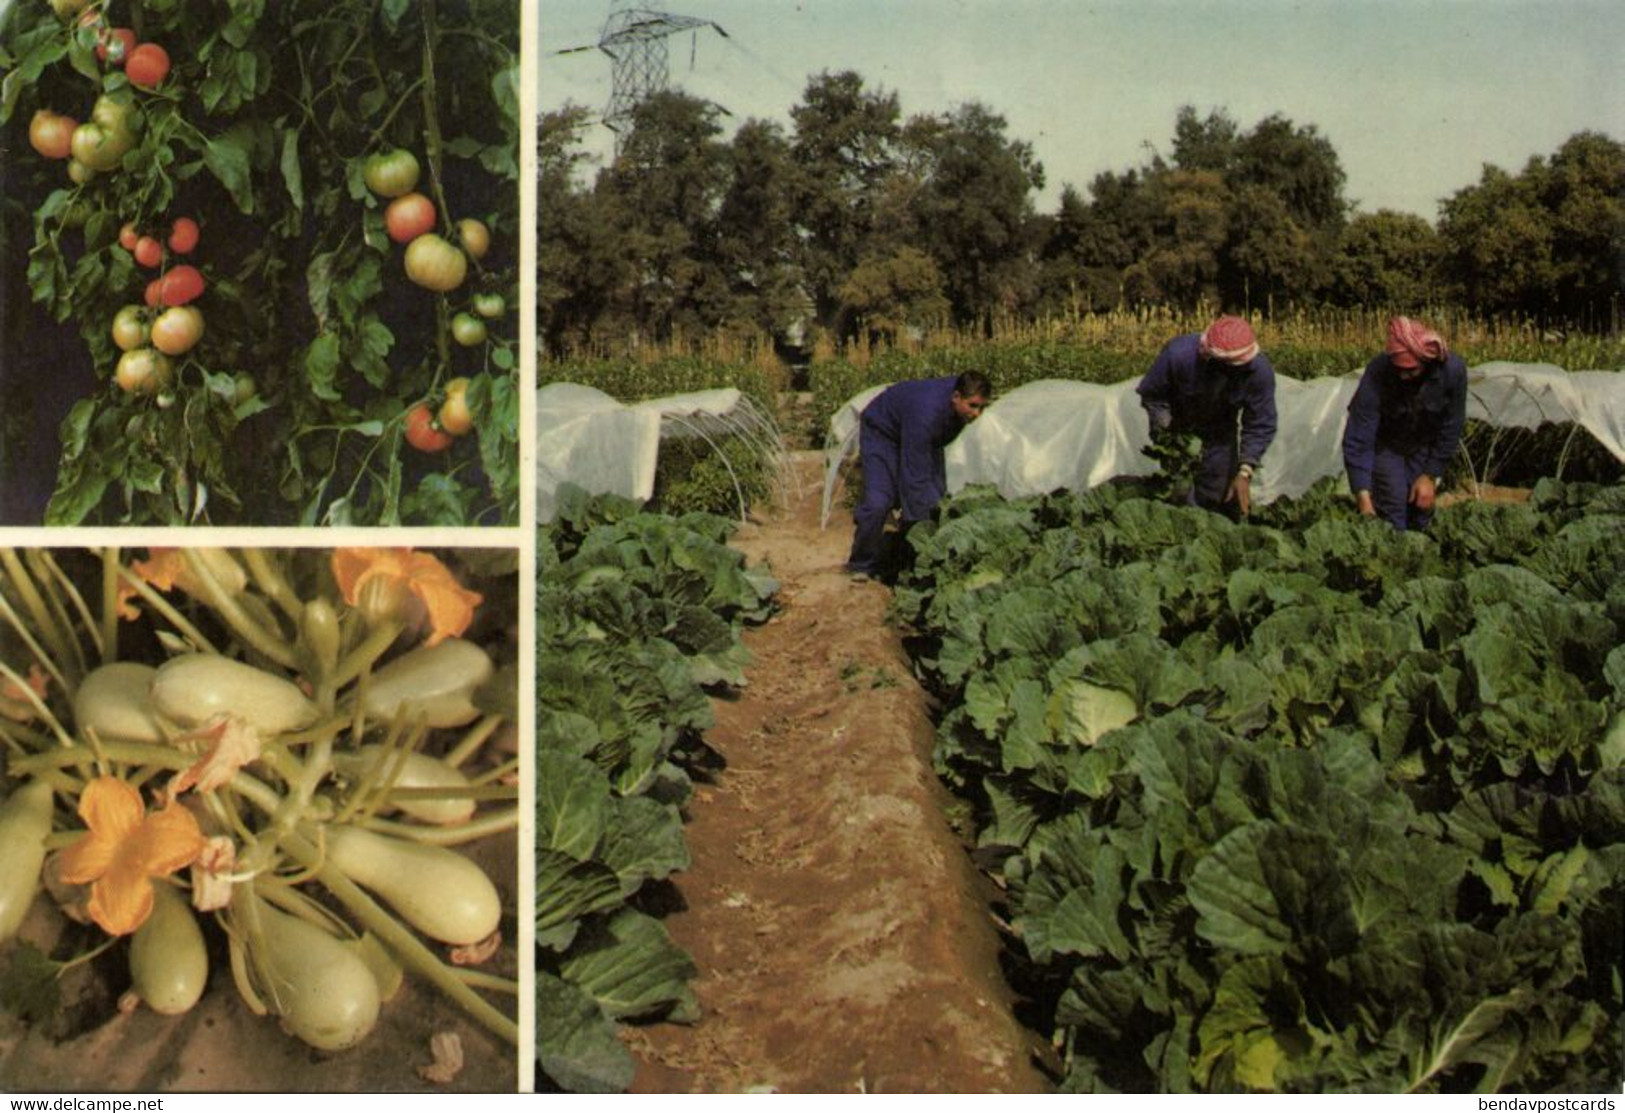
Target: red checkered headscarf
(1230,340)
(1411,344)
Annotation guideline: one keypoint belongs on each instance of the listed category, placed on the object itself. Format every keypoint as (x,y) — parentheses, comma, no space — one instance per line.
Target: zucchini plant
(292,748)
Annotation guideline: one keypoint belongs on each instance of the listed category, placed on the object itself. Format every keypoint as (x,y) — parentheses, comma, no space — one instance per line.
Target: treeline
(861,223)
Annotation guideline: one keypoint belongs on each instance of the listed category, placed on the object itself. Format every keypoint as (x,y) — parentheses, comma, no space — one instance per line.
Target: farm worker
(1218,385)
(1404,425)
(901,440)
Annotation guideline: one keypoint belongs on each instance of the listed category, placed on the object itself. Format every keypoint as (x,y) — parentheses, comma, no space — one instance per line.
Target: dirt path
(843,938)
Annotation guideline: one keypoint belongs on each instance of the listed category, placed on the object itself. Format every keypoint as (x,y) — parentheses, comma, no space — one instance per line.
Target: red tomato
(183,236)
(147,66)
(151,296)
(148,251)
(409,216)
(181,285)
(128,237)
(422,433)
(115,46)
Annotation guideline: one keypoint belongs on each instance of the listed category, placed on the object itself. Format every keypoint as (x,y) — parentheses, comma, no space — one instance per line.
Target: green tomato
(130,328)
(489,306)
(467,330)
(97,147)
(391,173)
(434,264)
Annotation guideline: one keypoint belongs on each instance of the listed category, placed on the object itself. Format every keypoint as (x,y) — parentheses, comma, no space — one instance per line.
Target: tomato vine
(259,131)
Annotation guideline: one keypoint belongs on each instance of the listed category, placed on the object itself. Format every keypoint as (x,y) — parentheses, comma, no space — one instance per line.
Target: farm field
(1052,646)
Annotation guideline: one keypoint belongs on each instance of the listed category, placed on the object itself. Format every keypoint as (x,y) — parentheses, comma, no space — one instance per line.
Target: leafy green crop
(1301,804)
(637,615)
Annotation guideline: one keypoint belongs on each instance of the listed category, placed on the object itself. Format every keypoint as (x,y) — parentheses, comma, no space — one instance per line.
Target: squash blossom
(124,850)
(400,584)
(167,569)
(228,744)
(14,702)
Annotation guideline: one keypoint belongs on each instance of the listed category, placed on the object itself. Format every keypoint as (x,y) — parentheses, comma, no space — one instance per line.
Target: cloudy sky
(1416,95)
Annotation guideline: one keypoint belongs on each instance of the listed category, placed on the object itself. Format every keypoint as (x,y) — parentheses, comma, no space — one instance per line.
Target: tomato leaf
(393,10)
(292,177)
(322,366)
(228,159)
(374,341)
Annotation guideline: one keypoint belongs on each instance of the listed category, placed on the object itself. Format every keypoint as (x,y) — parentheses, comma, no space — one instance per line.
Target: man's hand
(1422,492)
(1240,493)
(1367,507)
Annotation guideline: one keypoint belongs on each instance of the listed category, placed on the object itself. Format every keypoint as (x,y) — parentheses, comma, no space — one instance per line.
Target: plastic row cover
(585,437)
(1057,434)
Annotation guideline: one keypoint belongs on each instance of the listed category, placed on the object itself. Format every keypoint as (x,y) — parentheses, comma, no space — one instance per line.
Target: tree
(973,211)
(578,267)
(756,233)
(844,149)
(1190,211)
(1209,144)
(665,192)
(1386,259)
(1298,165)
(1498,244)
(886,295)
(1584,191)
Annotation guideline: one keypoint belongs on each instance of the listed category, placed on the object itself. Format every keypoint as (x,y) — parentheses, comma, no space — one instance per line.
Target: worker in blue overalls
(904,431)
(1404,425)
(1218,385)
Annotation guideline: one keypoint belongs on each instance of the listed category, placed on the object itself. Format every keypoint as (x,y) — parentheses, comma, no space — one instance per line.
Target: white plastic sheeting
(1057,434)
(586,437)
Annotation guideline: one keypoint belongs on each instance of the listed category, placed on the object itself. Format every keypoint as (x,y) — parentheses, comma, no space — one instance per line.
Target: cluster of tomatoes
(437,264)
(428,430)
(169,325)
(145,64)
(100,143)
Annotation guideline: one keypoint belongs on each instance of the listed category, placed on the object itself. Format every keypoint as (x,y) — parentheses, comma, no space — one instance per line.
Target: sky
(1415,95)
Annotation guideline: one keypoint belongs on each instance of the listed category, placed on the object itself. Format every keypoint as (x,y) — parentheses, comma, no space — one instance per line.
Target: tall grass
(1120,344)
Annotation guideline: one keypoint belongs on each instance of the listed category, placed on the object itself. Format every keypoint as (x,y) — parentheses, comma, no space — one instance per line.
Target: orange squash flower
(395,583)
(14,702)
(167,569)
(124,850)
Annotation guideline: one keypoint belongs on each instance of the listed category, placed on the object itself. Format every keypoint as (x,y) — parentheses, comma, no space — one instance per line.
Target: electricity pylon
(635,37)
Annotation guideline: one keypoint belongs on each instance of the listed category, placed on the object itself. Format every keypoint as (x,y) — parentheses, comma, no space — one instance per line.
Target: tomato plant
(280,128)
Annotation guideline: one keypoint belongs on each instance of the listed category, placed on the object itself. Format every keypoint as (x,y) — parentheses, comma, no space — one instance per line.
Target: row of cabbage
(1301,804)
(638,615)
